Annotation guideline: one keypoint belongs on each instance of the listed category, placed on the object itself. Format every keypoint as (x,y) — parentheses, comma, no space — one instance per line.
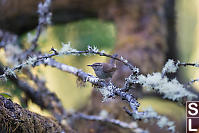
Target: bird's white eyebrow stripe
(98,64)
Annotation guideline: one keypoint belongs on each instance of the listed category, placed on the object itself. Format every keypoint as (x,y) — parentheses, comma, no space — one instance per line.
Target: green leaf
(6,95)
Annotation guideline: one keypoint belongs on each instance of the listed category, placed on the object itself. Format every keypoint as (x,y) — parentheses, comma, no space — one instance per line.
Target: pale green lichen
(123,59)
(107,91)
(104,114)
(92,49)
(9,72)
(92,79)
(196,65)
(31,60)
(170,66)
(44,14)
(162,121)
(3,78)
(67,49)
(170,89)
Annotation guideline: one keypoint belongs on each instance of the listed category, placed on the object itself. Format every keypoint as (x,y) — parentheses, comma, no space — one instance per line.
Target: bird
(103,70)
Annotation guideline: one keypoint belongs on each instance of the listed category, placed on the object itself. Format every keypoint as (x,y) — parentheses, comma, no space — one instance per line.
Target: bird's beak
(90,65)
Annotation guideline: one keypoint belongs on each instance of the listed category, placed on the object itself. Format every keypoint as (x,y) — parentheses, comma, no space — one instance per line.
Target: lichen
(66,49)
(170,66)
(170,89)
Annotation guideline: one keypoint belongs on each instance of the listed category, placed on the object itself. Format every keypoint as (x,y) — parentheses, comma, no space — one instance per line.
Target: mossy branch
(14,118)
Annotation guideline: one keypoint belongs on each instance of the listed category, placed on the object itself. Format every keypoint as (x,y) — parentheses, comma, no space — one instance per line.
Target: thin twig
(188,64)
(132,126)
(191,82)
(44,20)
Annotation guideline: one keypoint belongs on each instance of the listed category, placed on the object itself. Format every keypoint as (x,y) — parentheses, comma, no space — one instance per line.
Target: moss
(16,119)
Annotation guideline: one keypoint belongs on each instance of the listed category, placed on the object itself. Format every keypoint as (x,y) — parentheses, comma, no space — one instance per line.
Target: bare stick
(132,126)
(44,19)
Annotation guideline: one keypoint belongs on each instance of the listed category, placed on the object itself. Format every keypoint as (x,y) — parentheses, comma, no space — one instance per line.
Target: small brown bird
(104,70)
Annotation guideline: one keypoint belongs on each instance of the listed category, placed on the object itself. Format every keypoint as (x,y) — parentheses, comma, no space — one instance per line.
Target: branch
(7,38)
(191,82)
(44,20)
(108,90)
(66,50)
(150,114)
(39,82)
(188,64)
(44,98)
(98,83)
(132,126)
(172,66)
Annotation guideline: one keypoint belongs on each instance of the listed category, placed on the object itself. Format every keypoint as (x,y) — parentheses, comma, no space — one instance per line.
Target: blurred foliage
(9,90)
(186,27)
(82,33)
(6,95)
(87,32)
(187,37)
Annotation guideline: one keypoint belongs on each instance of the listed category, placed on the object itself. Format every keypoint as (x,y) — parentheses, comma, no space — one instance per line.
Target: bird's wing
(112,68)
(112,61)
